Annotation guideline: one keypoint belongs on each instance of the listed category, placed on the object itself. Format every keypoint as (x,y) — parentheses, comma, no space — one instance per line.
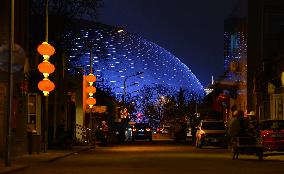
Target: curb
(68,154)
(13,169)
(17,168)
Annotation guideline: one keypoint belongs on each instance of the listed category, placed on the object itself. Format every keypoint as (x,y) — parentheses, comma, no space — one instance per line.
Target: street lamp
(125,112)
(124,85)
(91,78)
(10,99)
(46,68)
(91,101)
(282,79)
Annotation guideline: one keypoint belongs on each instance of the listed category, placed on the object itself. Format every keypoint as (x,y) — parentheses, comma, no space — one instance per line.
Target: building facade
(265,58)
(230,89)
(19,88)
(235,60)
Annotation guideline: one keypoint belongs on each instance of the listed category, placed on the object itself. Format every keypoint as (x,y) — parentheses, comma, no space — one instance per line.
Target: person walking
(234,125)
(105,132)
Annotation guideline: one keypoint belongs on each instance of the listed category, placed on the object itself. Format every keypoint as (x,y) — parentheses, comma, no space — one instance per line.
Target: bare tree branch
(68,8)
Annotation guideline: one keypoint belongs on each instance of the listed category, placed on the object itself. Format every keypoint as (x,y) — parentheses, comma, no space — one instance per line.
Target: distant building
(235,60)
(230,88)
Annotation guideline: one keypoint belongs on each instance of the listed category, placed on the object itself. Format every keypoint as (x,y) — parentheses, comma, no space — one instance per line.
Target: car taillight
(267,137)
(148,129)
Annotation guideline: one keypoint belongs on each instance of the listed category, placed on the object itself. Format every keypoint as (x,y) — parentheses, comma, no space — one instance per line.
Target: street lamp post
(124,110)
(91,101)
(46,68)
(124,85)
(10,99)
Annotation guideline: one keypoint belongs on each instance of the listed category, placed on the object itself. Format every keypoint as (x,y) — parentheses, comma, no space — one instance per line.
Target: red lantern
(91,101)
(46,86)
(46,49)
(91,89)
(46,67)
(91,78)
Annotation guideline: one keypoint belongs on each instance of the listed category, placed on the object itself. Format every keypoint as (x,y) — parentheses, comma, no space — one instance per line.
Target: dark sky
(192,30)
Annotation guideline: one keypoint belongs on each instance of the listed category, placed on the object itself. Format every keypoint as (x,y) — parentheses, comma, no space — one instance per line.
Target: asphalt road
(157,157)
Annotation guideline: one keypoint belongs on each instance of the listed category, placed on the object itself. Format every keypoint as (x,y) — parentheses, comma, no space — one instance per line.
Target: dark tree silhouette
(68,8)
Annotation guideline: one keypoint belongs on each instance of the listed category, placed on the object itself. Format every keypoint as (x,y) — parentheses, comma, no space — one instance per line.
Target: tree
(146,101)
(68,9)
(181,104)
(153,102)
(170,110)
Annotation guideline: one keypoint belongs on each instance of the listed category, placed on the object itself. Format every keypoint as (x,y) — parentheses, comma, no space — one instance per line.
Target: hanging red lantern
(46,67)
(91,101)
(91,90)
(91,78)
(45,49)
(46,86)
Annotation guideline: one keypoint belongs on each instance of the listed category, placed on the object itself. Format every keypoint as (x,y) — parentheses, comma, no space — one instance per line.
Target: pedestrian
(234,125)
(30,131)
(105,132)
(253,125)
(244,124)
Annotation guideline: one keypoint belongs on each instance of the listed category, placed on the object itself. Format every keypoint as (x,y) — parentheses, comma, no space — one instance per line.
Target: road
(157,157)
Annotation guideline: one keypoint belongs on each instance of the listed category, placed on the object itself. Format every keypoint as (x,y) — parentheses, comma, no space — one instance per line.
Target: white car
(211,133)
(166,130)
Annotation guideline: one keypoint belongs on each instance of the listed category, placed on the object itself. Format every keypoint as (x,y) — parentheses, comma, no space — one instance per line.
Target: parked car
(128,132)
(141,131)
(272,133)
(159,129)
(166,130)
(211,133)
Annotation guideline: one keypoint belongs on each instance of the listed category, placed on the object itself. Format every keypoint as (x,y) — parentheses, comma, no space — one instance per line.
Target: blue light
(132,54)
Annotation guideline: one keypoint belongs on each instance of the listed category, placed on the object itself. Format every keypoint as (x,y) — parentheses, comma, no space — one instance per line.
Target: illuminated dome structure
(120,57)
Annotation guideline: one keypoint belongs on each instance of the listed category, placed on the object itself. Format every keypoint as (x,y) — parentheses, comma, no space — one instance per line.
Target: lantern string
(46,21)
(91,69)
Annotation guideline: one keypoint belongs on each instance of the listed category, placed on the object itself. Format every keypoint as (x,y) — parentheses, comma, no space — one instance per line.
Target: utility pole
(10,99)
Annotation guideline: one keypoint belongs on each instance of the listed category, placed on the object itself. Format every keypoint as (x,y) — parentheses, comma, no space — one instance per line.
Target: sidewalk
(24,161)
(279,156)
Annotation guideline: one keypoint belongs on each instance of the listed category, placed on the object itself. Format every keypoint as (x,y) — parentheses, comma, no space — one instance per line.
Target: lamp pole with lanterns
(46,68)
(91,101)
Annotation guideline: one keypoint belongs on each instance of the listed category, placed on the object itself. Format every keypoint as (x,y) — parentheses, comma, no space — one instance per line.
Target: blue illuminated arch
(117,54)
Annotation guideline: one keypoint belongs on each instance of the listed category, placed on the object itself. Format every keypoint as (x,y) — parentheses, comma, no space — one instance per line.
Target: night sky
(191,30)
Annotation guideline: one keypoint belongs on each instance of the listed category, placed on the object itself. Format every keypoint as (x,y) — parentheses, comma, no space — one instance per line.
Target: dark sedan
(141,131)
